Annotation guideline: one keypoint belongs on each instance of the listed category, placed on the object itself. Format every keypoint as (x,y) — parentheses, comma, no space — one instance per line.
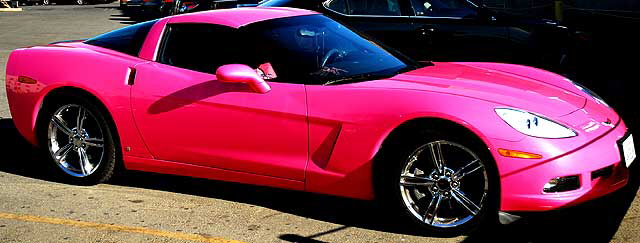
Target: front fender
(355,121)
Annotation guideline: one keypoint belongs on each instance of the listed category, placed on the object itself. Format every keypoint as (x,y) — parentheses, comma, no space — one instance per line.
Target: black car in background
(173,7)
(149,8)
(454,30)
(77,2)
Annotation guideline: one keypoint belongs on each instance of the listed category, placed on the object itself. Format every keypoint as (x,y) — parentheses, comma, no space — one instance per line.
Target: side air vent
(131,78)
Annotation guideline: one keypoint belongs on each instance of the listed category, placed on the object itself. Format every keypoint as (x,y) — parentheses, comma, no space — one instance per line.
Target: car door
(457,30)
(185,115)
(385,20)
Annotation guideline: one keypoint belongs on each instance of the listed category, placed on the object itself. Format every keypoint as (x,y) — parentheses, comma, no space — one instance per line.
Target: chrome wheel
(75,140)
(444,184)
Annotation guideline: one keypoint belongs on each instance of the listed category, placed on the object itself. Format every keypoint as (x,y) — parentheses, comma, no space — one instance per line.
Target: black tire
(99,140)
(390,164)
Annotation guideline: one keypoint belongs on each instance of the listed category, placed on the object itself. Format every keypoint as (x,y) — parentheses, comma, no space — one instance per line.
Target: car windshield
(314,49)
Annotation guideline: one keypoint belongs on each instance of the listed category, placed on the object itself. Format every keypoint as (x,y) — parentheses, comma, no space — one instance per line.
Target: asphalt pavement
(147,207)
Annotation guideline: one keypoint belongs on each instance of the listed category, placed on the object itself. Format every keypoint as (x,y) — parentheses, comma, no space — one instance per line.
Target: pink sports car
(289,98)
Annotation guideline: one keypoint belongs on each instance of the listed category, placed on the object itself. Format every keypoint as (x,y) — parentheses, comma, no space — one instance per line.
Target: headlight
(533,125)
(591,93)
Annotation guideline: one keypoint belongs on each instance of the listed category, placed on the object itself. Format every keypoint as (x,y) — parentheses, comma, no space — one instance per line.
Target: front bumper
(522,190)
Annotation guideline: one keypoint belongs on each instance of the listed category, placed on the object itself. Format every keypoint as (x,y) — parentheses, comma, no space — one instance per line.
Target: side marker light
(518,154)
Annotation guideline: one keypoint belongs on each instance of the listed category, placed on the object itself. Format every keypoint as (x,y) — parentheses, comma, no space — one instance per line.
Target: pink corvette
(289,98)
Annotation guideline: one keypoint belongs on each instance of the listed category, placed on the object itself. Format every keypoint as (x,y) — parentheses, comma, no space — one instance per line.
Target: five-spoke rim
(76,140)
(443,192)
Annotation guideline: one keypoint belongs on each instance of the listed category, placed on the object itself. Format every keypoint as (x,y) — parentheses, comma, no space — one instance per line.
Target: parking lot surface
(146,207)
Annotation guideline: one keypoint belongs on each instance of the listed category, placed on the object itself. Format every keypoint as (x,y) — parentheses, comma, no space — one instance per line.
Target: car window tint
(443,8)
(127,40)
(200,47)
(316,50)
(310,49)
(339,6)
(374,7)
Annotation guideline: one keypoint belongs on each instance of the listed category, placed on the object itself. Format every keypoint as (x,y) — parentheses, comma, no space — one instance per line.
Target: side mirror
(240,73)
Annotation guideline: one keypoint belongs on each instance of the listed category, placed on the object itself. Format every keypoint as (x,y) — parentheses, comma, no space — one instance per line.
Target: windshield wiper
(360,77)
(370,76)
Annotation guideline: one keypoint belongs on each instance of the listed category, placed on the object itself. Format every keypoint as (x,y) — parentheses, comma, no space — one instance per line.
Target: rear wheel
(78,141)
(445,184)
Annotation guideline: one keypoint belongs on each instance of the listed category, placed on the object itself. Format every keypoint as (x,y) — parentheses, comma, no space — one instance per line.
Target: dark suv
(453,30)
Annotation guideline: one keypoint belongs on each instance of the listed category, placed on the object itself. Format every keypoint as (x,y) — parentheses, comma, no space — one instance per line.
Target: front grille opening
(562,184)
(602,173)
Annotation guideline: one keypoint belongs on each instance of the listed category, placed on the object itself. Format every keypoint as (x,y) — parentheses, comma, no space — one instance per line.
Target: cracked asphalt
(147,207)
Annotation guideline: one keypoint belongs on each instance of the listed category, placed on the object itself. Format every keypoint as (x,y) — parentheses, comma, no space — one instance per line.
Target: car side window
(374,7)
(200,47)
(443,8)
(127,40)
(339,6)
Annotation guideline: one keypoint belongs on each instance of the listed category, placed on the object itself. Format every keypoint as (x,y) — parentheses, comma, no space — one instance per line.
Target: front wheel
(78,140)
(442,183)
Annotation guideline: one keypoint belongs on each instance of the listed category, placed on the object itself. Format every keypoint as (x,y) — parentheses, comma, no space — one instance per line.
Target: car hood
(546,97)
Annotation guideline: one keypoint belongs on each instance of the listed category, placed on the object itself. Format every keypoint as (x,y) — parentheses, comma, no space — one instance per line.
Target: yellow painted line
(117,228)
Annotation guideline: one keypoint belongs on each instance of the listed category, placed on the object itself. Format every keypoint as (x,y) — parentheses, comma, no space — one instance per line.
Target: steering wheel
(329,54)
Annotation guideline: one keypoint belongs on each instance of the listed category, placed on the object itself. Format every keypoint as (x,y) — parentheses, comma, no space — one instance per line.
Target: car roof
(238,17)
